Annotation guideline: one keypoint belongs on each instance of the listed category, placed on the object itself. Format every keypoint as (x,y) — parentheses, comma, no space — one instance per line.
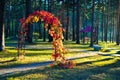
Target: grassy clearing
(98,67)
(88,68)
(44,54)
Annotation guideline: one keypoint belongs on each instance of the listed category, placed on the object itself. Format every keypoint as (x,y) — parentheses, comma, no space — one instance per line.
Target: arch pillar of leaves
(55,31)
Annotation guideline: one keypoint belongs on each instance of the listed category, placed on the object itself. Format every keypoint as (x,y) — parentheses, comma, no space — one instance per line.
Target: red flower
(55,55)
(51,65)
(22,20)
(55,21)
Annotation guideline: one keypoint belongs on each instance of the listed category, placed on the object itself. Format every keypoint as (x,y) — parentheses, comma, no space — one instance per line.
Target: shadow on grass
(106,72)
(42,49)
(7,61)
(39,43)
(108,54)
(78,47)
(90,62)
(118,52)
(37,54)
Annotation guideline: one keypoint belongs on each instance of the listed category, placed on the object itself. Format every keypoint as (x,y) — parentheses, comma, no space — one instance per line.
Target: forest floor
(90,64)
(25,67)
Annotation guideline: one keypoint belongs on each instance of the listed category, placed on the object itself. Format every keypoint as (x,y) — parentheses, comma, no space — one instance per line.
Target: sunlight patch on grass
(12,51)
(39,55)
(103,63)
(92,58)
(36,59)
(42,51)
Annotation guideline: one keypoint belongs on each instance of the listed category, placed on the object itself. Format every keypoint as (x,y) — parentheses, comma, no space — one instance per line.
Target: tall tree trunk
(106,25)
(113,28)
(12,27)
(118,25)
(73,21)
(110,22)
(39,23)
(92,27)
(29,31)
(67,25)
(16,24)
(98,23)
(7,29)
(2,43)
(102,26)
(84,21)
(63,16)
(49,9)
(78,22)
(44,31)
(113,34)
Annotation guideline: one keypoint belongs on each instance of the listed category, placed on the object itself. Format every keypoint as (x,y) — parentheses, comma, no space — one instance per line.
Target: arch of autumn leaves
(55,31)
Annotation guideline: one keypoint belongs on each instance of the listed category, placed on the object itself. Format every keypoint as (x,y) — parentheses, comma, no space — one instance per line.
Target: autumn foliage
(55,31)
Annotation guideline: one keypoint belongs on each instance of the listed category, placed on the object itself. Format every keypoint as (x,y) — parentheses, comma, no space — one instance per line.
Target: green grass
(39,55)
(98,67)
(87,68)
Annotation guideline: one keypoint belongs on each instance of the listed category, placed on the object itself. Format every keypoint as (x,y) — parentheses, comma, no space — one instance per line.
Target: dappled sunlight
(60,40)
(32,59)
(12,51)
(93,58)
(103,63)
(100,66)
(86,69)
(40,52)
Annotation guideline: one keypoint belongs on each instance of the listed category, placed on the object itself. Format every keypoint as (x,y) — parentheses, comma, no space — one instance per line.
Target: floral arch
(55,31)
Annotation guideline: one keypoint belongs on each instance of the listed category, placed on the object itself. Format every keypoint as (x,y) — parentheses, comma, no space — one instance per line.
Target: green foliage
(36,35)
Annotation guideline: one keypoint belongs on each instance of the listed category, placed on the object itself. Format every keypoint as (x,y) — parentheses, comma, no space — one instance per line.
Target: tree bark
(102,26)
(73,21)
(112,27)
(7,29)
(39,23)
(92,27)
(118,26)
(78,22)
(2,42)
(29,26)
(84,22)
(44,31)
(67,25)
(50,39)
(107,24)
(98,23)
